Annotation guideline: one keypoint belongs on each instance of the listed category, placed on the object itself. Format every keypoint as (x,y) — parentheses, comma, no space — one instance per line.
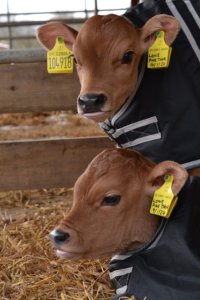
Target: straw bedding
(29,268)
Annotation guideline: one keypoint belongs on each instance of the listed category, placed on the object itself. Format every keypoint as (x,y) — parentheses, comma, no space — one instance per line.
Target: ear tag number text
(60,58)
(159,53)
(164,199)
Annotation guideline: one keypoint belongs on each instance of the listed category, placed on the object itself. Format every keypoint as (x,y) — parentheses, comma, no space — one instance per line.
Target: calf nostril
(100,100)
(59,236)
(92,102)
(82,103)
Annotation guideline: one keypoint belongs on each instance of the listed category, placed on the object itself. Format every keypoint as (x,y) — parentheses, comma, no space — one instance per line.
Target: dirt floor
(29,268)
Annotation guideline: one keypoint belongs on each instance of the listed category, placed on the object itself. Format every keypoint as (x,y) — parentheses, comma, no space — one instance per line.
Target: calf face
(107,51)
(112,198)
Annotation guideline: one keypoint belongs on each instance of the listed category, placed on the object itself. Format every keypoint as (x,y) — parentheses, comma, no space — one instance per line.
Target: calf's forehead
(107,171)
(101,31)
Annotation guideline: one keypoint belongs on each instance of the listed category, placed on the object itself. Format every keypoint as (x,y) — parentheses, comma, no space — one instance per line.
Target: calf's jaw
(109,231)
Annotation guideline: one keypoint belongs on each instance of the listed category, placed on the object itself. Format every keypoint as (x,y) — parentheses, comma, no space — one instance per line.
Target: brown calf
(155,112)
(153,256)
(112,198)
(107,51)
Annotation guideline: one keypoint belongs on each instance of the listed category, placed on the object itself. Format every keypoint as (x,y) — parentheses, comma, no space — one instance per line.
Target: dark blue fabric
(172,94)
(169,270)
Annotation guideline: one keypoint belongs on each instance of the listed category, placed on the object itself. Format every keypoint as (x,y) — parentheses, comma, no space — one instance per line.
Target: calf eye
(111,200)
(128,57)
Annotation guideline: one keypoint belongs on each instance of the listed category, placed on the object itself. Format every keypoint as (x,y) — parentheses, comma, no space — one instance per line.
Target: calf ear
(168,24)
(156,177)
(47,34)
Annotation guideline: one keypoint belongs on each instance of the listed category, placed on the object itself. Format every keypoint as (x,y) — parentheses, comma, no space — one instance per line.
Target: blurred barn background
(19,19)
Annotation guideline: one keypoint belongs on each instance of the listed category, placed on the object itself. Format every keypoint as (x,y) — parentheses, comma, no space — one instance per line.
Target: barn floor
(29,268)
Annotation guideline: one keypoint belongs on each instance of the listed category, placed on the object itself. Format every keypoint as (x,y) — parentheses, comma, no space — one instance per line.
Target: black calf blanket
(162,119)
(168,267)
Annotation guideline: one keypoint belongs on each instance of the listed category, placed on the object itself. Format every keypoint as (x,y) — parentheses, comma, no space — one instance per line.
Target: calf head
(110,211)
(107,52)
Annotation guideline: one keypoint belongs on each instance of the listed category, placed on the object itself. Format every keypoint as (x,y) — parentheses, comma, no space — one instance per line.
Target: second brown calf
(154,257)
(111,204)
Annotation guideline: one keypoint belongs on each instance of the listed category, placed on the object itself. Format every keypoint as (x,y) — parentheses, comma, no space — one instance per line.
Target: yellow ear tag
(159,53)
(60,58)
(164,200)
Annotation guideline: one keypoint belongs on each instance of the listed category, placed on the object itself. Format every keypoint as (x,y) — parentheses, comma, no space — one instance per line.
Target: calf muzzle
(90,103)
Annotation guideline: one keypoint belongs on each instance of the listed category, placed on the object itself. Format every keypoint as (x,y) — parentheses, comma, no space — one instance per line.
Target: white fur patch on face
(53,233)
